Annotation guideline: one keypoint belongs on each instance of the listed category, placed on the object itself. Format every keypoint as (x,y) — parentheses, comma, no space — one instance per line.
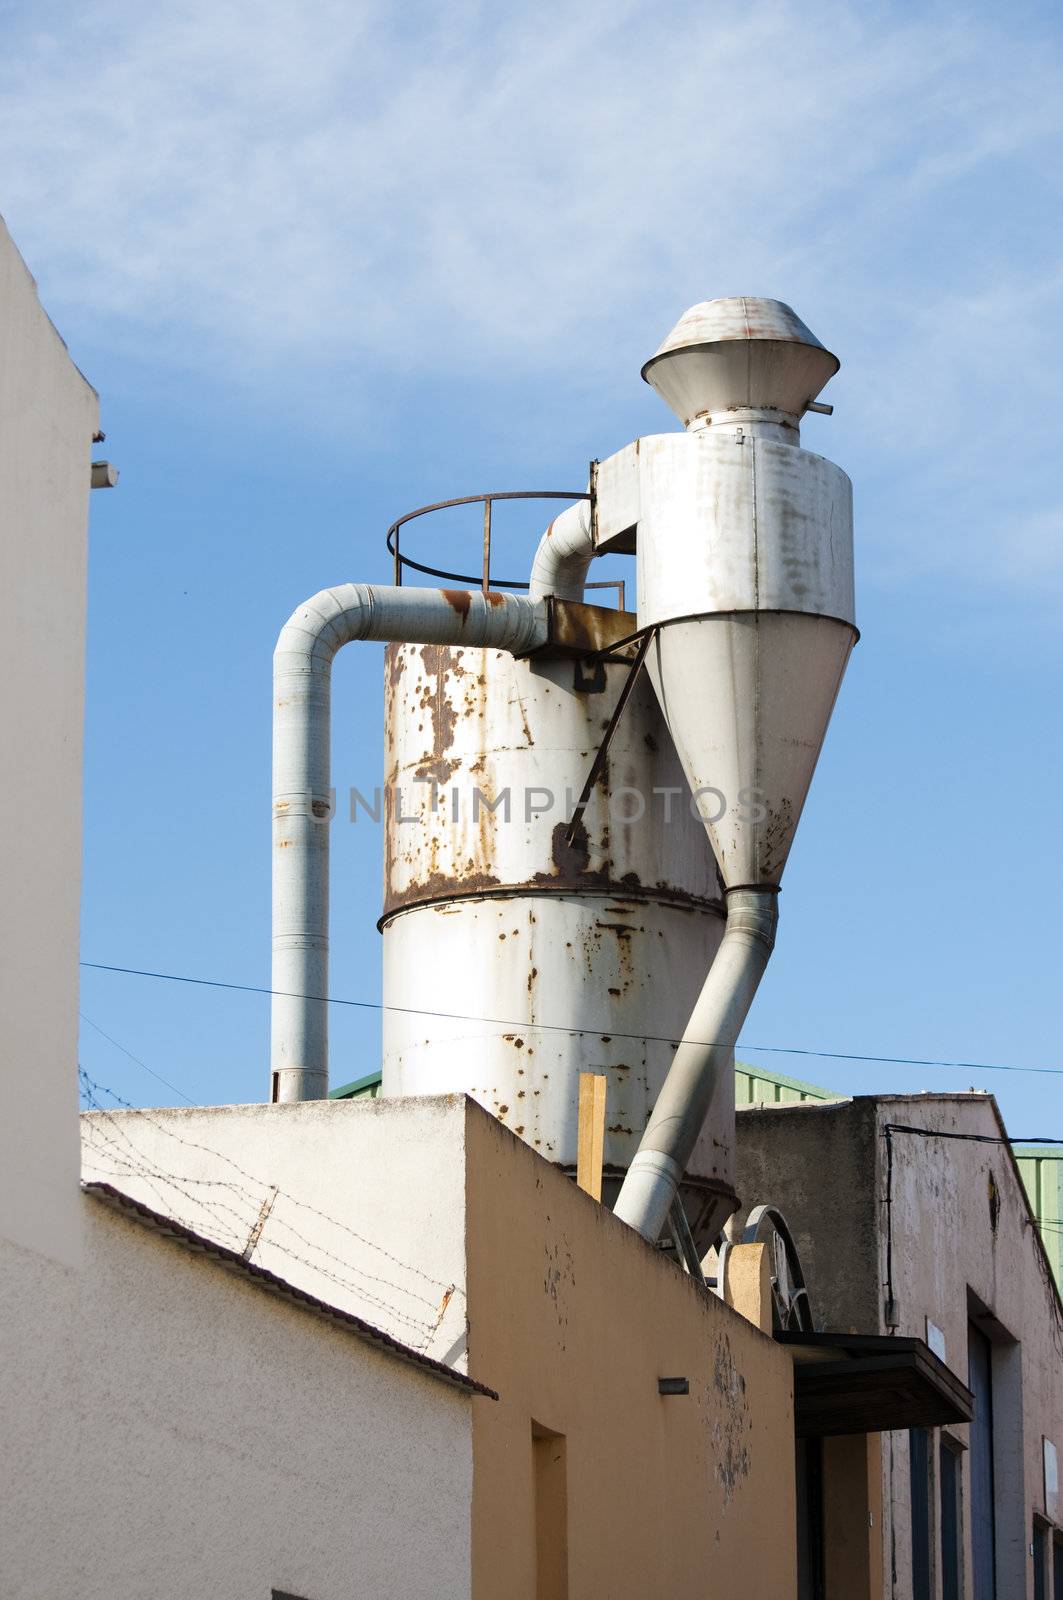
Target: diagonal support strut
(603,749)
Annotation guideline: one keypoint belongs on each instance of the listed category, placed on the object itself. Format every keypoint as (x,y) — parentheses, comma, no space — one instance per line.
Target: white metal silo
(513,959)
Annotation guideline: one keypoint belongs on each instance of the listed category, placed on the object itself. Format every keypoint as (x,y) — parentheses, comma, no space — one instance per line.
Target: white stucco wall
(170,1431)
(48,414)
(370,1214)
(184,1434)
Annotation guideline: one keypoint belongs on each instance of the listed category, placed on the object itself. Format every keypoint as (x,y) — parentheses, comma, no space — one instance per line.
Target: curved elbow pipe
(705,1054)
(565,552)
(302,798)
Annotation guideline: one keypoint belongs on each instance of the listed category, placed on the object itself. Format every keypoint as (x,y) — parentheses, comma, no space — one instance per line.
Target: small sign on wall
(935,1339)
(1051,1481)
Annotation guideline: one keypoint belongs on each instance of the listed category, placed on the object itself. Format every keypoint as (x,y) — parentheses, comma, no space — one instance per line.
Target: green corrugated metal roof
(1041,1171)
(754,1086)
(366,1088)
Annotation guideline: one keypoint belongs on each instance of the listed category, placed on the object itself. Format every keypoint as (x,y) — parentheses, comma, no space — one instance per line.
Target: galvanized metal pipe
(565,552)
(704,1056)
(302,799)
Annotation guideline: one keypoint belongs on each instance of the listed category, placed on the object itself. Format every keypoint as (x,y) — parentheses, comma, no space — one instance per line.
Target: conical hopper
(747,698)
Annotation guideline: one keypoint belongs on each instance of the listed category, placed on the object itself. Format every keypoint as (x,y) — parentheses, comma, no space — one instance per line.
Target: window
(919,1476)
(1057,1568)
(1039,1546)
(983,1531)
(949,1467)
(811,1583)
(551,1513)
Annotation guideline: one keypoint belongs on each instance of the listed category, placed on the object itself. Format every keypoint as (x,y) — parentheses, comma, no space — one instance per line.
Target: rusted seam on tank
(643,897)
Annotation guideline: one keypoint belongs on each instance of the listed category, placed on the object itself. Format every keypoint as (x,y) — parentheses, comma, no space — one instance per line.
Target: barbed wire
(116,1146)
(221,1155)
(153,1177)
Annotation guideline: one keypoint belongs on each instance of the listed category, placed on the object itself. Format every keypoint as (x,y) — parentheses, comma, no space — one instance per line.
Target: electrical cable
(132,1057)
(558,1027)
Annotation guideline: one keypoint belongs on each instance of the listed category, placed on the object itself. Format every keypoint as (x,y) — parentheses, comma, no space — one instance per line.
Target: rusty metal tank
(515,960)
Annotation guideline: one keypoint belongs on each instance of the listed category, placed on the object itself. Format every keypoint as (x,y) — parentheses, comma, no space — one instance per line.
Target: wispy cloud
(287,176)
(477,186)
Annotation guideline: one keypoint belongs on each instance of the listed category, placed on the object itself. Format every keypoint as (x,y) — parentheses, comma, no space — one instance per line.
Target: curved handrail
(487,501)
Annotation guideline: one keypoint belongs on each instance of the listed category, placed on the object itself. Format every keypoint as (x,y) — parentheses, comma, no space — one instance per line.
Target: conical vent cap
(736,354)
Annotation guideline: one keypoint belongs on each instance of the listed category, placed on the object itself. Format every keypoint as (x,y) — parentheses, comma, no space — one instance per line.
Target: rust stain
(524,720)
(394,663)
(460,600)
(570,859)
(438,886)
(438,665)
(732,1424)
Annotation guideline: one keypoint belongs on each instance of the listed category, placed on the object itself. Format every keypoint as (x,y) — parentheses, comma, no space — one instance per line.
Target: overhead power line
(566,1027)
(156,1075)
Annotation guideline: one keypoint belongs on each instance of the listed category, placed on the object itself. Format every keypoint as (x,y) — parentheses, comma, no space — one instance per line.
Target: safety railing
(483,578)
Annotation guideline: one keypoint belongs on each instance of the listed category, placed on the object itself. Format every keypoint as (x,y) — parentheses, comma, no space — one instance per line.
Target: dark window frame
(950,1516)
(920,1454)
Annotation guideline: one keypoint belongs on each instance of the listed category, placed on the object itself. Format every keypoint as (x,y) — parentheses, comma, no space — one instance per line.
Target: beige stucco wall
(48,414)
(575,1318)
(570,1316)
(181,1433)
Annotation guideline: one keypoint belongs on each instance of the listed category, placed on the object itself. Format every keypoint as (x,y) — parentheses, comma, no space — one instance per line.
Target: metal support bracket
(683,1240)
(603,749)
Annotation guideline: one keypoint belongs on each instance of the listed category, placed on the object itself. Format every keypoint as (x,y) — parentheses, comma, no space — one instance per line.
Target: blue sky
(326,262)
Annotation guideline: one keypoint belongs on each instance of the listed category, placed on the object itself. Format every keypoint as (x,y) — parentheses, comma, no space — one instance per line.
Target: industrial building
(911,1221)
(594,1331)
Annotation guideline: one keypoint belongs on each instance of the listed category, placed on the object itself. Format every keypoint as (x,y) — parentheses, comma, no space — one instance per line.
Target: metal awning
(865,1383)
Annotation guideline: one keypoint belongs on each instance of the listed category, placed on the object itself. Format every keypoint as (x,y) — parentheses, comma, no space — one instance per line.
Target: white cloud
(297,177)
(239,185)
